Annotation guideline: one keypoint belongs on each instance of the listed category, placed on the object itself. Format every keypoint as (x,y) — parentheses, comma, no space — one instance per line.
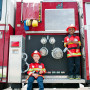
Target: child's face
(36,57)
(71,31)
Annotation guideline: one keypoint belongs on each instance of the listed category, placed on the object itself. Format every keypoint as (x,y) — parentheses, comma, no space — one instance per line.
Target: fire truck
(25,27)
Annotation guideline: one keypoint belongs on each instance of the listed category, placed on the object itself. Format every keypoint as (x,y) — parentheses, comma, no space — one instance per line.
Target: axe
(30,75)
(66,49)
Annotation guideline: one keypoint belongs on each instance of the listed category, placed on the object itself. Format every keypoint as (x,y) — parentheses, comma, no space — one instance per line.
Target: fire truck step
(64,80)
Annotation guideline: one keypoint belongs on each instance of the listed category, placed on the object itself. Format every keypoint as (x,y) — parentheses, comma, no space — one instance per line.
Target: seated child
(36,71)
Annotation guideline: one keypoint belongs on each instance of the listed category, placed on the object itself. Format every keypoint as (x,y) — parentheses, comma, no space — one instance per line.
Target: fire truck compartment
(54,66)
(57,69)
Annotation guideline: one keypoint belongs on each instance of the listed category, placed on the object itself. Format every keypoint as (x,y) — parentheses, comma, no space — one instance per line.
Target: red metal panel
(1,48)
(86,43)
(66,5)
(11,30)
(86,51)
(19,30)
(5,44)
(6,47)
(31,11)
(86,0)
(84,12)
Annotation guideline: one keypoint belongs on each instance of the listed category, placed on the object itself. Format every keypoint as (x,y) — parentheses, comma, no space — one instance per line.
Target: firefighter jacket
(35,68)
(73,48)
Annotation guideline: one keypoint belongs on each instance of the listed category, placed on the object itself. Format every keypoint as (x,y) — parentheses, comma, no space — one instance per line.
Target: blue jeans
(74,65)
(39,81)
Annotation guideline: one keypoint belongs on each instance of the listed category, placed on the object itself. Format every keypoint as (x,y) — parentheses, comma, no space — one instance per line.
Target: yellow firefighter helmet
(34,23)
(28,22)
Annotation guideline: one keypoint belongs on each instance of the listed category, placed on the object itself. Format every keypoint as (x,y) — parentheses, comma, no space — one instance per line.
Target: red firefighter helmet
(36,52)
(71,26)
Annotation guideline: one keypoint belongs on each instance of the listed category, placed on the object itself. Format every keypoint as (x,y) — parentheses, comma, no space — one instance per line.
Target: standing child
(36,71)
(72,42)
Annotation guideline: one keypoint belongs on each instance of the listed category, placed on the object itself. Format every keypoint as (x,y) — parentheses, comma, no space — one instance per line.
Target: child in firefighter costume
(36,71)
(72,42)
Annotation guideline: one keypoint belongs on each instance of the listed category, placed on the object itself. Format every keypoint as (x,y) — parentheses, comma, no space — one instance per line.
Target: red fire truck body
(25,27)
(86,5)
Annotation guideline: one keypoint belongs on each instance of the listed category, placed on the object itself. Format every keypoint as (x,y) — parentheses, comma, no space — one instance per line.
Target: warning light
(15,44)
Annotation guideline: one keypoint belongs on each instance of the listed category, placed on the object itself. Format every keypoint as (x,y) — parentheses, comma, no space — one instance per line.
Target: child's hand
(35,75)
(40,72)
(75,42)
(68,42)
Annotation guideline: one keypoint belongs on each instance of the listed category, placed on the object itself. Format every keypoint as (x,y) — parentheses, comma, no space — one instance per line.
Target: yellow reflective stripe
(64,44)
(44,70)
(38,69)
(74,54)
(79,43)
(70,43)
(78,53)
(30,70)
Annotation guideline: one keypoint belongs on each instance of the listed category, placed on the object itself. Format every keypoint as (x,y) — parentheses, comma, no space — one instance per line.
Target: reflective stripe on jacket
(73,48)
(36,67)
